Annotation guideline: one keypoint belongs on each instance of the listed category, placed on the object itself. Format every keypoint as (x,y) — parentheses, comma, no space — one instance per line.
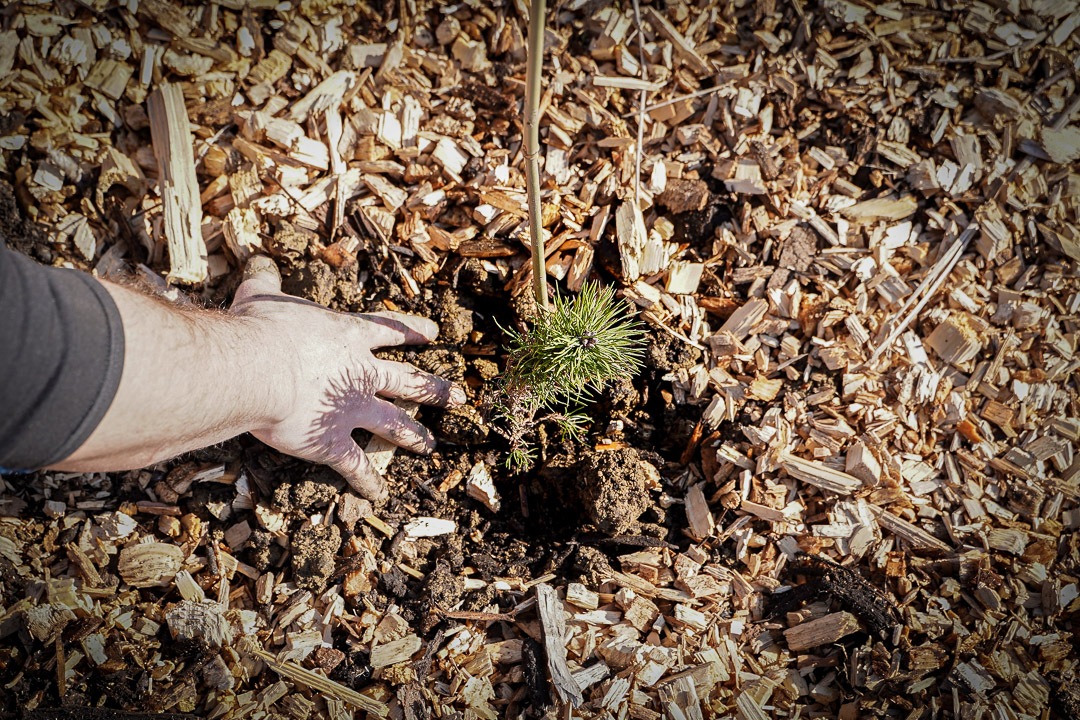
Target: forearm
(191,378)
(300,378)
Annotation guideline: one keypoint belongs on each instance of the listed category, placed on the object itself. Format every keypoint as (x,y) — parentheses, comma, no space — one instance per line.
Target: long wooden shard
(302,675)
(553,622)
(820,475)
(822,631)
(180,206)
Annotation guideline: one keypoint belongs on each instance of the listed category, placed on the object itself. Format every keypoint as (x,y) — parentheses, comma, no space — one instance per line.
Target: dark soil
(263,551)
(1065,697)
(473,278)
(462,425)
(442,587)
(592,566)
(558,518)
(666,352)
(851,591)
(19,232)
(445,362)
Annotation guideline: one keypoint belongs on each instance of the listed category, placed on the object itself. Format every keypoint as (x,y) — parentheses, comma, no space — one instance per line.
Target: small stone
(352,509)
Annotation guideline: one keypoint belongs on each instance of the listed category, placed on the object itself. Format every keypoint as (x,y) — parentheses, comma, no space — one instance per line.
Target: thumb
(261,277)
(348,460)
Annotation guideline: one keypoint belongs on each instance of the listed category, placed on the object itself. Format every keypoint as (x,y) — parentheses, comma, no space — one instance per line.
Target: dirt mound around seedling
(461,425)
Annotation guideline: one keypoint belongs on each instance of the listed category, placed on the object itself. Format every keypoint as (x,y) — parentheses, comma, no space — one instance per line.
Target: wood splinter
(179,187)
(553,624)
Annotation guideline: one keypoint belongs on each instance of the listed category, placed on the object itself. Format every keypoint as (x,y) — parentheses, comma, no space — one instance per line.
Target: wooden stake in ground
(532,148)
(179,187)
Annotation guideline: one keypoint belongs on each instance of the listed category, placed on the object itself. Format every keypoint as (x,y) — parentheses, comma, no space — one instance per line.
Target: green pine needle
(581,344)
(520,459)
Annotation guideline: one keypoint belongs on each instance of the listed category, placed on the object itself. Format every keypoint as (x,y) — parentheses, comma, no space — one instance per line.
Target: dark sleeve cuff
(62,367)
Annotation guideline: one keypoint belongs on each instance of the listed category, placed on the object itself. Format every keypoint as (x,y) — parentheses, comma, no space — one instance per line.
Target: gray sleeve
(61,357)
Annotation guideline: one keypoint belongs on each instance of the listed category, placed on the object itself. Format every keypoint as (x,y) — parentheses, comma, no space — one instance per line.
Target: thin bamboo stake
(532,148)
(641,114)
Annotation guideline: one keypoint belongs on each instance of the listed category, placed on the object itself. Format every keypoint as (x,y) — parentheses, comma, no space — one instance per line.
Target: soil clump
(308,495)
(313,551)
(613,489)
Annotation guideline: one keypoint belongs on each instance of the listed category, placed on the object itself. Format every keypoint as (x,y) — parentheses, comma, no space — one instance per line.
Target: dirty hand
(333,384)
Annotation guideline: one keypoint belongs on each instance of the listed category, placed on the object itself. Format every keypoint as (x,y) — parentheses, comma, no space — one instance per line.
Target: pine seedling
(556,365)
(575,345)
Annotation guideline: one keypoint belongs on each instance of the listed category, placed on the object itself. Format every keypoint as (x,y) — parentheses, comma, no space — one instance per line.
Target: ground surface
(815,500)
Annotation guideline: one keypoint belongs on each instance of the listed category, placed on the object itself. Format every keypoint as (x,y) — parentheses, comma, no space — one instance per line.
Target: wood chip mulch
(860,218)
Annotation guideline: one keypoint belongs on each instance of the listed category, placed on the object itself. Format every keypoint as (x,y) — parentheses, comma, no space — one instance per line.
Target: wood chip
(179,186)
(151,564)
(553,624)
(822,631)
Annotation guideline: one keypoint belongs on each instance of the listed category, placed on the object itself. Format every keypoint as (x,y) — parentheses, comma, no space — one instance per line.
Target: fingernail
(457,396)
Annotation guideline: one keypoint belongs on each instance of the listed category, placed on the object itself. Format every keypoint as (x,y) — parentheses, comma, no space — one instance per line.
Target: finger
(390,422)
(394,328)
(261,277)
(398,380)
(347,459)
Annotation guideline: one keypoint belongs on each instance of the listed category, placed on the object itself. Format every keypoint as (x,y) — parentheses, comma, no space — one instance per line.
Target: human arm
(295,375)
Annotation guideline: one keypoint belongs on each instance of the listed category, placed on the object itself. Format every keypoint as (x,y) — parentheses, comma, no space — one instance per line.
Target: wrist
(273,385)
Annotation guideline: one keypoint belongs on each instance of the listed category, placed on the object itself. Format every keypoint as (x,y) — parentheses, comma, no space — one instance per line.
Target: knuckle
(393,382)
